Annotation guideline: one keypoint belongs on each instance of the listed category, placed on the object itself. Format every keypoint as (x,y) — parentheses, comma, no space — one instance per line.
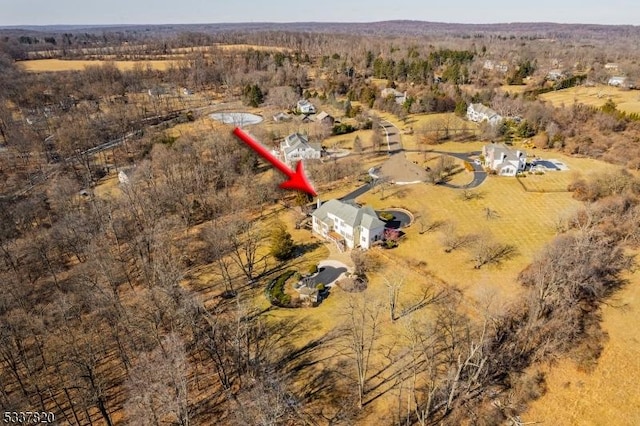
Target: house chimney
(518,153)
(318,202)
(503,156)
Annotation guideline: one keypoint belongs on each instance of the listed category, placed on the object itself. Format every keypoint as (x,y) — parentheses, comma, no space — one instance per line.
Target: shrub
(386,216)
(320,287)
(275,290)
(313,269)
(343,128)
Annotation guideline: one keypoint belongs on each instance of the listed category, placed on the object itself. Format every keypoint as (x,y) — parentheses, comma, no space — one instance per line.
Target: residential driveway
(400,219)
(397,168)
(479,175)
(356,193)
(330,271)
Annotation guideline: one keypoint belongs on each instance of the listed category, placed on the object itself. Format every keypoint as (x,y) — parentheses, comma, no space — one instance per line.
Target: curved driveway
(479,175)
(394,147)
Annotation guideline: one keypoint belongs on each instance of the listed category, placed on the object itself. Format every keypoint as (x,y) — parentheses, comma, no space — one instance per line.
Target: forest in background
(97,325)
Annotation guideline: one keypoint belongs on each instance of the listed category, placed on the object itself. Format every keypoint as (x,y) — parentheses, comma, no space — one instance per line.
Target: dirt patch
(400,170)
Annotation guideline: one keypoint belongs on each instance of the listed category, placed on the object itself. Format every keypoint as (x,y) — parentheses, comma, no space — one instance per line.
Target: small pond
(237,118)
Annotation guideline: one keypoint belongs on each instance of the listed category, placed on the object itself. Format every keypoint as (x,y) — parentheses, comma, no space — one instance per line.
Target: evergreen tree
(253,95)
(281,242)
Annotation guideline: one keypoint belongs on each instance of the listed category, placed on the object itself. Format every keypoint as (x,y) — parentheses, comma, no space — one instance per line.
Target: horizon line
(112,25)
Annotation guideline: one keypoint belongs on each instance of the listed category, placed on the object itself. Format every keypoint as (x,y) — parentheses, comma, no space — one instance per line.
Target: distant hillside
(399,28)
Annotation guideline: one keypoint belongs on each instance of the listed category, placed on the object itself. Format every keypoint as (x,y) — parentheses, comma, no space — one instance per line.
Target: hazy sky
(42,12)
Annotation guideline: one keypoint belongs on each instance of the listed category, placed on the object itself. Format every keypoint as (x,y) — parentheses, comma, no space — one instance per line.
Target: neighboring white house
(306,107)
(347,225)
(296,147)
(611,66)
(618,81)
(480,113)
(492,65)
(555,75)
(399,97)
(505,161)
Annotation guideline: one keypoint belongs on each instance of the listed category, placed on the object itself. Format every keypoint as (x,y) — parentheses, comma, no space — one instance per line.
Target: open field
(609,394)
(626,100)
(53,65)
(434,123)
(524,219)
(515,89)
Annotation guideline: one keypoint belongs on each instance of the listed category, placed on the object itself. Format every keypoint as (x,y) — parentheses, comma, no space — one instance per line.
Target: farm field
(625,100)
(53,65)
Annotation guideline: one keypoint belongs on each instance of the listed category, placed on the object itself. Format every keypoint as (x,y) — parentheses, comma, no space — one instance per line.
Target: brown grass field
(626,100)
(609,394)
(54,65)
(525,219)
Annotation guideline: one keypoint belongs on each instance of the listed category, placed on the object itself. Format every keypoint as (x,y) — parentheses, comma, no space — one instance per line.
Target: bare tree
(158,385)
(487,251)
(246,239)
(427,225)
(451,240)
(218,240)
(361,334)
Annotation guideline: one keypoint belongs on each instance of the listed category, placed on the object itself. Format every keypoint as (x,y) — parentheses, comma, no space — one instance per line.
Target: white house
(398,96)
(347,225)
(611,66)
(555,75)
(492,65)
(618,81)
(296,147)
(480,113)
(306,107)
(505,161)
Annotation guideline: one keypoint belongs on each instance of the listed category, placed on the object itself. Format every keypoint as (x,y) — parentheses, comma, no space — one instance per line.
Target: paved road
(394,147)
(357,192)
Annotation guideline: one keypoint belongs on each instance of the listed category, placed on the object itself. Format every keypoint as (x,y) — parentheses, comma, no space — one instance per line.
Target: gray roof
(370,218)
(296,140)
(322,116)
(281,116)
(483,109)
(352,215)
(499,149)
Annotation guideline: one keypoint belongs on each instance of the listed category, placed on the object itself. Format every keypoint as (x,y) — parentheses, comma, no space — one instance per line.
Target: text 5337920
(28,417)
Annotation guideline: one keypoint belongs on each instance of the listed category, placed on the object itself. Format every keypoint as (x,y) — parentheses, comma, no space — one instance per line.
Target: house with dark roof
(296,147)
(504,161)
(281,117)
(480,113)
(325,118)
(347,224)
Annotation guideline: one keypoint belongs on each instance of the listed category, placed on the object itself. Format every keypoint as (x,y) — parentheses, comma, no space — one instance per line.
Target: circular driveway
(401,218)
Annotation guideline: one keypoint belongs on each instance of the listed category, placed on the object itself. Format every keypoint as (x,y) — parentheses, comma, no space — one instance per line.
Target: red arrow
(297,180)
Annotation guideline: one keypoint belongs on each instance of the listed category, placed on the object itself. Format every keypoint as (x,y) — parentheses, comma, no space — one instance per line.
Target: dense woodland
(97,324)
